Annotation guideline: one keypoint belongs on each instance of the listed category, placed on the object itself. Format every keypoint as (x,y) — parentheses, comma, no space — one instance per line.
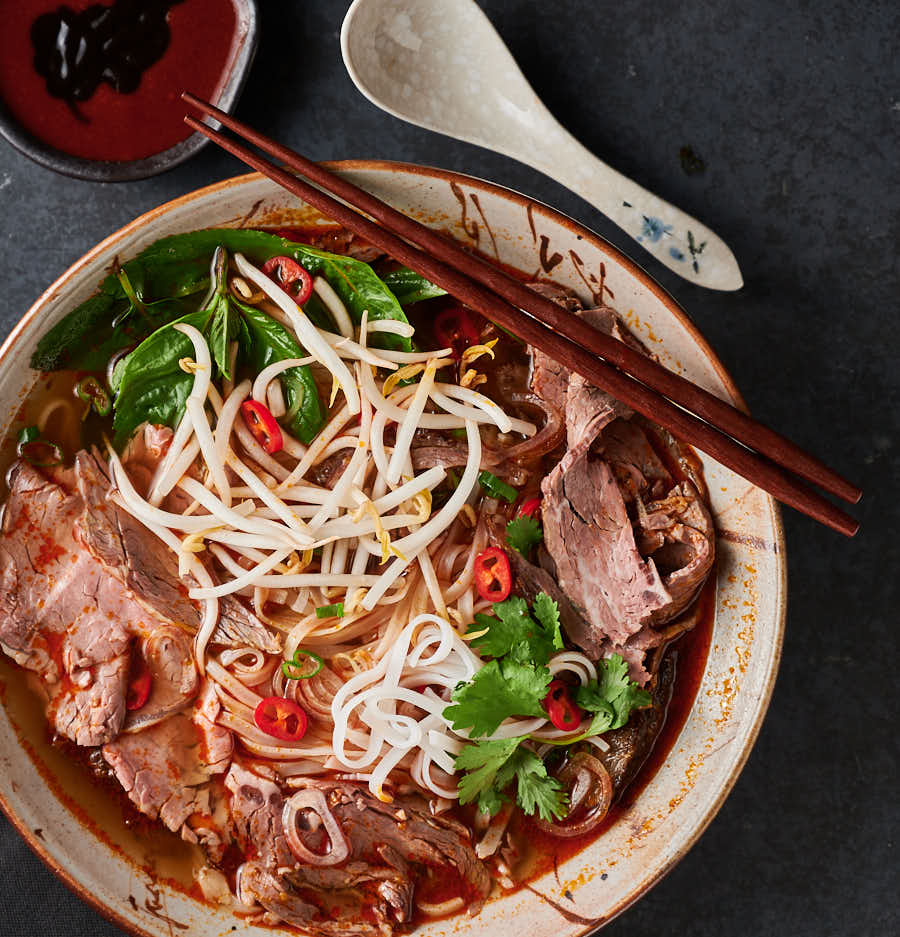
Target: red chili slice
(281,718)
(140,682)
(263,425)
(286,272)
(493,577)
(561,708)
(456,328)
(530,507)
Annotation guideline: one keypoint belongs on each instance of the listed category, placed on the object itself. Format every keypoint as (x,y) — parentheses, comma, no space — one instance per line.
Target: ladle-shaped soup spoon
(440,64)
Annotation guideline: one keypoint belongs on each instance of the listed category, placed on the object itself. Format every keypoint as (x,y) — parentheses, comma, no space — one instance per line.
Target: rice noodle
(428,650)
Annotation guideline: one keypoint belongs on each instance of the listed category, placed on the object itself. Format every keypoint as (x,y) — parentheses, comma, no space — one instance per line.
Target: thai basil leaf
(224,327)
(318,314)
(264,340)
(359,288)
(151,387)
(106,322)
(167,277)
(410,287)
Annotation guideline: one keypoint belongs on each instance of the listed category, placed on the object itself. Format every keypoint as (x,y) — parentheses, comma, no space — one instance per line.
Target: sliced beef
(124,545)
(62,616)
(561,295)
(430,448)
(217,742)
(296,905)
(630,548)
(630,745)
(93,714)
(589,535)
(327,472)
(405,832)
(238,626)
(146,565)
(256,808)
(168,657)
(639,471)
(164,772)
(388,843)
(144,452)
(532,580)
(589,409)
(678,532)
(549,377)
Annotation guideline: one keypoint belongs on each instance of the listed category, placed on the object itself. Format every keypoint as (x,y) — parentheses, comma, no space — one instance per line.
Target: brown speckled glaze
(682,798)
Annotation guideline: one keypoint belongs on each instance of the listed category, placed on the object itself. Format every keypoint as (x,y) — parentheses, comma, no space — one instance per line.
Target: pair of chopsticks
(689,412)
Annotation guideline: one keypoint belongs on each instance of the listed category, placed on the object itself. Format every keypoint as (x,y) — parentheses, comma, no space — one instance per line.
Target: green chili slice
(91,391)
(27,434)
(497,488)
(296,669)
(41,453)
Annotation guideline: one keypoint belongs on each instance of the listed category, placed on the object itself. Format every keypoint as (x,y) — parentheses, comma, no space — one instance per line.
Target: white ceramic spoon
(440,64)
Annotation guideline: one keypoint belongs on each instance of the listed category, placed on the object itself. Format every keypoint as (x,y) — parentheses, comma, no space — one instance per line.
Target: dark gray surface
(796,115)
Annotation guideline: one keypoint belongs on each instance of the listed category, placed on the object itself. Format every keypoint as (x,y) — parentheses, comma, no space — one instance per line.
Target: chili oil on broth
(99,802)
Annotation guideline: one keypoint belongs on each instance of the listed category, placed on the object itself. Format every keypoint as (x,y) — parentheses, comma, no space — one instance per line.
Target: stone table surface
(794,110)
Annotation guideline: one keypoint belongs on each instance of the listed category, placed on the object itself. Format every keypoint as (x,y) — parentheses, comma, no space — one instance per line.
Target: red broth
(110,125)
(100,804)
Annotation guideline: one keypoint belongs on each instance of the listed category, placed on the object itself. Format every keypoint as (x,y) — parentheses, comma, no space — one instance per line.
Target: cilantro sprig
(521,640)
(612,696)
(491,766)
(516,634)
(499,690)
(514,683)
(523,533)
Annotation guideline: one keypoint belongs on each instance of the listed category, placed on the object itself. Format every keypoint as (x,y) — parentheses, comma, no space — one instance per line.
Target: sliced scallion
(298,667)
(497,488)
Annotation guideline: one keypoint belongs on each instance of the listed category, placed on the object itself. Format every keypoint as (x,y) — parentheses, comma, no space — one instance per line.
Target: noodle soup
(372,597)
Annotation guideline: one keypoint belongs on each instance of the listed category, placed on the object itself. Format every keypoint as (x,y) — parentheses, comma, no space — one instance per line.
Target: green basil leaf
(264,341)
(152,388)
(359,288)
(167,278)
(410,287)
(224,326)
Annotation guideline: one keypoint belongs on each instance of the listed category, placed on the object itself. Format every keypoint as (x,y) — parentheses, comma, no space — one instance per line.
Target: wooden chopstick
(640,397)
(698,400)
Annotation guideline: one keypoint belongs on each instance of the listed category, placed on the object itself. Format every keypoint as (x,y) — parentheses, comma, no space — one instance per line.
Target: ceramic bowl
(675,807)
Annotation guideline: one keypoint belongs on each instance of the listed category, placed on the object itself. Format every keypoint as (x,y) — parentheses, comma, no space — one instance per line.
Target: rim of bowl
(703,346)
(99,170)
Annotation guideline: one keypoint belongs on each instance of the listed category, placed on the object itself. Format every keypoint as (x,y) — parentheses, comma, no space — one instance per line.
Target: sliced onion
(313,799)
(590,796)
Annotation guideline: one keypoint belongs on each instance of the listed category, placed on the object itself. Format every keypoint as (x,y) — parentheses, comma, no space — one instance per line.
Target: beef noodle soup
(339,582)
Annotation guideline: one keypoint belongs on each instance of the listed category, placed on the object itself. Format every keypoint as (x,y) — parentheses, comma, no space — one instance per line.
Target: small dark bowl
(96,170)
